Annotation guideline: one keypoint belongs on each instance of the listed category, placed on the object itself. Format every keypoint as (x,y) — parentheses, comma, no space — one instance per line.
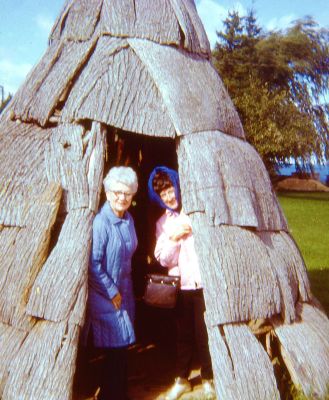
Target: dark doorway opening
(151,360)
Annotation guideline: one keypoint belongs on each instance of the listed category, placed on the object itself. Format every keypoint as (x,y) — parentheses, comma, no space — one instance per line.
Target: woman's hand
(116,301)
(181,232)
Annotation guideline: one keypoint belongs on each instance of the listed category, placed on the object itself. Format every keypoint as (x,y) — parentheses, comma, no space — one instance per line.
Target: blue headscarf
(173,176)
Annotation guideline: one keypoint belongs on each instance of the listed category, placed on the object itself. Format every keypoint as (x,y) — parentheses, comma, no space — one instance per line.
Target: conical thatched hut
(142,67)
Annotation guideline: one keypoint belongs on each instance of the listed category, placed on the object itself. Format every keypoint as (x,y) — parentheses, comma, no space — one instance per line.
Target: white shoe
(180,387)
(208,389)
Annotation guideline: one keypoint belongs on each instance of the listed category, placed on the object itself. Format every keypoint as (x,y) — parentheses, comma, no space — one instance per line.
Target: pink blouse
(179,257)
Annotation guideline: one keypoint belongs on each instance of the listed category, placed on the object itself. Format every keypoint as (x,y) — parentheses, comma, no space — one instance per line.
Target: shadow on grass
(319,279)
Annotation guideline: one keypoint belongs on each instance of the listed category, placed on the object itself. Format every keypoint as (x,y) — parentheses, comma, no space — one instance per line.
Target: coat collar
(114,219)
(171,213)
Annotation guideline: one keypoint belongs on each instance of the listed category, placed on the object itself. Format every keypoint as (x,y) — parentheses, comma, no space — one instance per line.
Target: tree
(277,81)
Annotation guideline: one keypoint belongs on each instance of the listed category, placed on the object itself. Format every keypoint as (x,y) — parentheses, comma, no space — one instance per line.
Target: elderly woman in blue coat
(110,310)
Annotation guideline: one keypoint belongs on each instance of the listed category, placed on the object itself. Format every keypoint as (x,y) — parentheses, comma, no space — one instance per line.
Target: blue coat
(114,243)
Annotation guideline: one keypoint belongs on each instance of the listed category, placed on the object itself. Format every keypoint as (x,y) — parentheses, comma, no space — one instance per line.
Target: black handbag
(161,290)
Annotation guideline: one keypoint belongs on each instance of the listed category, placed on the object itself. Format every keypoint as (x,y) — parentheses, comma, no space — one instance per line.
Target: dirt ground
(151,367)
(158,375)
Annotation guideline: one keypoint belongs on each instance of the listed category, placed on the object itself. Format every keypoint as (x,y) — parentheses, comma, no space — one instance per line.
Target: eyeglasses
(118,193)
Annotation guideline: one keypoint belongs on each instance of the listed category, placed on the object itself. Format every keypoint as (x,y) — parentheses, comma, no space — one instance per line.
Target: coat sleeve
(99,278)
(166,250)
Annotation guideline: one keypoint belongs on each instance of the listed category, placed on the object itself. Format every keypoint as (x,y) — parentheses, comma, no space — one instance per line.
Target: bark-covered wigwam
(143,67)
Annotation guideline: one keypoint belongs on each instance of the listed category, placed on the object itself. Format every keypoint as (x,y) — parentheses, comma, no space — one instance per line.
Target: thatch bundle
(142,67)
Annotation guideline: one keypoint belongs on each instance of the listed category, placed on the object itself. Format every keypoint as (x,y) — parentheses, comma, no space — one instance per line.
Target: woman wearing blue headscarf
(175,250)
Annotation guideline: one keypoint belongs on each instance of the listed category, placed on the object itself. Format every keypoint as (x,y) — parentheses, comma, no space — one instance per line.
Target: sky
(25,26)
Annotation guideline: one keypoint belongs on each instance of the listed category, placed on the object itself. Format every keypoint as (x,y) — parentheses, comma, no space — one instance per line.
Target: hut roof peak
(173,22)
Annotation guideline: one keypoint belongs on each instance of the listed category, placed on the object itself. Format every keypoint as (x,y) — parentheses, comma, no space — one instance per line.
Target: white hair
(125,175)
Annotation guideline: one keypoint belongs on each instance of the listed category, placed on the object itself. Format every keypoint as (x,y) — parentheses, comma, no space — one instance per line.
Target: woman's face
(119,197)
(168,196)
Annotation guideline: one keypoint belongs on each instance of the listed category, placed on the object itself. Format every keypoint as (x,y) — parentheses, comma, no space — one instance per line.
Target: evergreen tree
(278,81)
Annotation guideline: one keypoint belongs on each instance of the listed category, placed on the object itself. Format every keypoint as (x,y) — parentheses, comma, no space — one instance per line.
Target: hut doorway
(155,328)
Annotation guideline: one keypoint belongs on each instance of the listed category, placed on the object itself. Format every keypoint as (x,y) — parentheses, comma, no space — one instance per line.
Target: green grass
(307,214)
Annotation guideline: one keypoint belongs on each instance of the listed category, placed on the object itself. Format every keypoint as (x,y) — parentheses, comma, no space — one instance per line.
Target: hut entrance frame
(155,328)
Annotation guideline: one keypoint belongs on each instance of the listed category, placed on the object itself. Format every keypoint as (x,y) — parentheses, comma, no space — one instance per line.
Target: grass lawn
(307,214)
